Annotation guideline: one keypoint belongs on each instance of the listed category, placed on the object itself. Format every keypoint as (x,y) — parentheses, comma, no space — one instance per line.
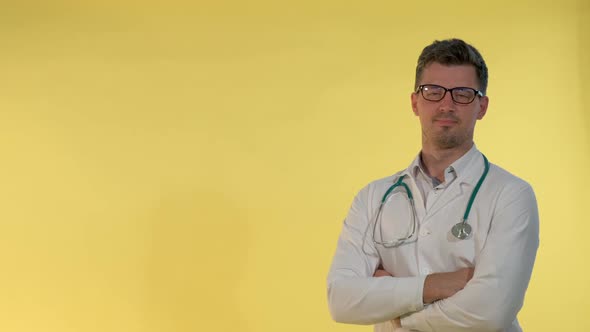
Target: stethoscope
(461,230)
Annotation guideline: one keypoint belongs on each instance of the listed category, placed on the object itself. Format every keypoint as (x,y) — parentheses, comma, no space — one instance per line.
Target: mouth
(445,122)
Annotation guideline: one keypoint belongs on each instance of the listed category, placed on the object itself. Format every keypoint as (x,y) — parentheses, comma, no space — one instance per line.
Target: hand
(397,326)
(438,286)
(380,272)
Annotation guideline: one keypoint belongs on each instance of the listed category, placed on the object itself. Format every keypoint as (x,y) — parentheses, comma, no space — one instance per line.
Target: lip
(445,122)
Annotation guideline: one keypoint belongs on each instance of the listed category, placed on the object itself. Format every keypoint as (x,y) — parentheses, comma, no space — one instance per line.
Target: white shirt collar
(460,167)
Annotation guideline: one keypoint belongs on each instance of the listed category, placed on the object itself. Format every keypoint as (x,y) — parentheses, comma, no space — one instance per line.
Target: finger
(381,273)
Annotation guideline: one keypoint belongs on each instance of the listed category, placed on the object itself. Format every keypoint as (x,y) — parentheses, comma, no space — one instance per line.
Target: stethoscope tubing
(461,230)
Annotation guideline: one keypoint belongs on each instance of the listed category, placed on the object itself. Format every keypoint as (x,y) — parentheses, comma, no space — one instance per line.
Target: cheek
(472,120)
(423,112)
(426,122)
(470,116)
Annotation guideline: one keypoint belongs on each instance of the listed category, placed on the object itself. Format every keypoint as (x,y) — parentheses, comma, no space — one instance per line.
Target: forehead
(449,76)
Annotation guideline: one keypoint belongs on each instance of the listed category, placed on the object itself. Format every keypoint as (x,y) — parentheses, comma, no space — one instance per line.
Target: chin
(448,142)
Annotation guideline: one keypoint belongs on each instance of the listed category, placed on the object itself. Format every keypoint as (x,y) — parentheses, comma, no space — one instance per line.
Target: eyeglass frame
(476,92)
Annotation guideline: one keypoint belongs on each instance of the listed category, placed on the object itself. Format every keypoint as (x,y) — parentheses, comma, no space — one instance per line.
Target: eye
(433,91)
(463,94)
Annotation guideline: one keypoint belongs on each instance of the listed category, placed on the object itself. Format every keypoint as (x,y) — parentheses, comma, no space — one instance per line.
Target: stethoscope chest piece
(461,230)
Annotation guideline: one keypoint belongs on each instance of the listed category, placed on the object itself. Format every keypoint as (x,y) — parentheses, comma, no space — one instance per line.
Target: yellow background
(186,166)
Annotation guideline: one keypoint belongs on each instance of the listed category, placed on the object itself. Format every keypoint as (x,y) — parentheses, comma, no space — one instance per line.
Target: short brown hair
(453,52)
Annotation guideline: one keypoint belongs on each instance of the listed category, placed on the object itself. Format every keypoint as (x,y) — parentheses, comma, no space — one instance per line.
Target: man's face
(445,123)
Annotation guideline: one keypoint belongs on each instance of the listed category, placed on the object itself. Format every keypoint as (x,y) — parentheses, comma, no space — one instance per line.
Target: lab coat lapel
(455,191)
(460,188)
(418,200)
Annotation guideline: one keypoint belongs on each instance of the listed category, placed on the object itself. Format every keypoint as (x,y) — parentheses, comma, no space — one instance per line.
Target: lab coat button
(424,232)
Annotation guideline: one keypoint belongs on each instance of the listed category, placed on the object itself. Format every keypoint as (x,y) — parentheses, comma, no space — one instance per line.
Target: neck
(436,160)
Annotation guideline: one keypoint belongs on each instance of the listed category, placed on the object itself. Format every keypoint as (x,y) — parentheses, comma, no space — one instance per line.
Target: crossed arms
(437,286)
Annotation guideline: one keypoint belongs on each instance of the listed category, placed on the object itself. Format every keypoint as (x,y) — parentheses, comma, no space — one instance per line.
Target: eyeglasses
(460,95)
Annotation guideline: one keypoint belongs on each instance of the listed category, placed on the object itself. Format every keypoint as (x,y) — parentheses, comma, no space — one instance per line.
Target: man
(405,259)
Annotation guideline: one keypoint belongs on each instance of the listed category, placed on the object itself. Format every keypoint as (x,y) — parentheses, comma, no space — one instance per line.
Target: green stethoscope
(461,230)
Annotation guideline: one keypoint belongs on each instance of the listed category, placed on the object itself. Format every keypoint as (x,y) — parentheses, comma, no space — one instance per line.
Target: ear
(414,99)
(483,107)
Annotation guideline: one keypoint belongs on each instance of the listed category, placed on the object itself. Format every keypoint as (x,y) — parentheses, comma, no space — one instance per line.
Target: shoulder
(376,188)
(382,184)
(503,178)
(507,187)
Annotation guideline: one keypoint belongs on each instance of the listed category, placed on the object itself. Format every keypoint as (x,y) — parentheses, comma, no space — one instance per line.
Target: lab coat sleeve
(492,298)
(354,295)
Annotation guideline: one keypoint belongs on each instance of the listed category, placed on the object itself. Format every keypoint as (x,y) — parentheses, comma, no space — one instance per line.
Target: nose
(447,104)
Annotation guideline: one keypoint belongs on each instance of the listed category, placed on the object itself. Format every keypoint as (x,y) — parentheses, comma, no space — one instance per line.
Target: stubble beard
(446,139)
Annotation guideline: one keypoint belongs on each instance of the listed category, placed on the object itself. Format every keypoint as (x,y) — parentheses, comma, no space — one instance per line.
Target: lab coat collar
(468,168)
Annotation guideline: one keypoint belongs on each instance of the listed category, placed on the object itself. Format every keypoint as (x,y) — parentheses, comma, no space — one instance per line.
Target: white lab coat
(502,248)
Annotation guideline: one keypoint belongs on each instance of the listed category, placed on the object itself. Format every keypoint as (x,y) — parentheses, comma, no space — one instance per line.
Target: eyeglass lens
(459,95)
